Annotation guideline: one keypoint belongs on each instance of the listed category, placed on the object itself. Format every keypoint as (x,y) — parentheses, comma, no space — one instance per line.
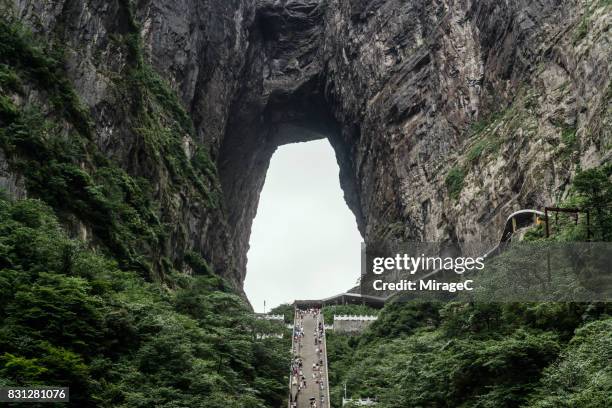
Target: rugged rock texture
(198,48)
(483,90)
(445,115)
(455,65)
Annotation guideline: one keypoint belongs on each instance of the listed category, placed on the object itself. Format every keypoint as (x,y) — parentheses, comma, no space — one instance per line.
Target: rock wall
(445,115)
(409,78)
(198,48)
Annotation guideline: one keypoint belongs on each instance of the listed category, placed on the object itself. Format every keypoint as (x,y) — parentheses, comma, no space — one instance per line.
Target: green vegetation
(488,134)
(476,151)
(582,376)
(568,136)
(454,182)
(71,317)
(591,191)
(113,318)
(482,124)
(160,120)
(581,31)
(569,140)
(92,316)
(117,206)
(18,49)
(51,146)
(476,354)
(286,310)
(486,139)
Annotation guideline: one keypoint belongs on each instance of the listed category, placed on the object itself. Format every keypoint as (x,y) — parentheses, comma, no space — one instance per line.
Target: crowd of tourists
(299,380)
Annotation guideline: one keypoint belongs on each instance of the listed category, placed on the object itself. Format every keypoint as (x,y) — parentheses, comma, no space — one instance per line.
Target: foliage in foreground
(478,355)
(71,317)
(466,354)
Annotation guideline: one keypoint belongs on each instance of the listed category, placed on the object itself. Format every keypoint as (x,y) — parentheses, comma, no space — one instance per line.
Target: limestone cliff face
(198,48)
(445,115)
(485,89)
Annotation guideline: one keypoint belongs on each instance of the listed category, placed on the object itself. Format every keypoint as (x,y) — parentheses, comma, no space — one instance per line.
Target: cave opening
(293,123)
(304,241)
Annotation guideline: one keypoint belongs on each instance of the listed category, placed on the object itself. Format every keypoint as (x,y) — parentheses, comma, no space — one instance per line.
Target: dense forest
(478,355)
(470,354)
(70,317)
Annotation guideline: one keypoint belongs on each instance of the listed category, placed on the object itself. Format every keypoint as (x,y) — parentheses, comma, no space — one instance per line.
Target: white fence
(362,402)
(355,317)
(271,317)
(352,323)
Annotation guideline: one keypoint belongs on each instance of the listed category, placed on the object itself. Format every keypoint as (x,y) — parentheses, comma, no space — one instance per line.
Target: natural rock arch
(247,150)
(283,102)
(393,84)
(395,87)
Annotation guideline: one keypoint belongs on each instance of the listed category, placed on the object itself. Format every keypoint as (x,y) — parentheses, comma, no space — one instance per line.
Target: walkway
(309,380)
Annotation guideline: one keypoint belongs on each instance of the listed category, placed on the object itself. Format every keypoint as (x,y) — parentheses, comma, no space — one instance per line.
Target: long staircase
(308,382)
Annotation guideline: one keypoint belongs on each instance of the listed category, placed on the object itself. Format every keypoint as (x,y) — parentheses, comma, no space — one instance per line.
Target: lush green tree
(286,310)
(582,376)
(593,189)
(69,316)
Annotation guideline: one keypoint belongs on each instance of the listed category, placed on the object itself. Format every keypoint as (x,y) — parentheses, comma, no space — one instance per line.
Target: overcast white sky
(304,242)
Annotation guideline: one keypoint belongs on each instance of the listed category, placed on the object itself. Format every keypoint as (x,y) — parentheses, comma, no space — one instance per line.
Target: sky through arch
(304,241)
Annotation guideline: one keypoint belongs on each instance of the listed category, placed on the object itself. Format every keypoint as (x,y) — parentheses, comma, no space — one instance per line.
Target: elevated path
(515,221)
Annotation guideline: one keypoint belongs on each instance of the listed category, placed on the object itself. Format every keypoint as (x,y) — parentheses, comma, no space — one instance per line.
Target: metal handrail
(325,360)
(292,357)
